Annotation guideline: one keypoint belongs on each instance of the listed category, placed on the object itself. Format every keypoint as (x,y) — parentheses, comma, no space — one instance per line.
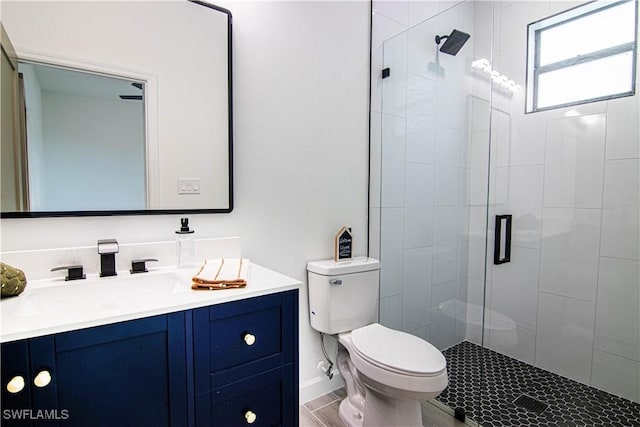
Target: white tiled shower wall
(570,177)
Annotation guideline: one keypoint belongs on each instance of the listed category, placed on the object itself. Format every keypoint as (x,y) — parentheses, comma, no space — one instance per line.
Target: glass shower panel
(434,178)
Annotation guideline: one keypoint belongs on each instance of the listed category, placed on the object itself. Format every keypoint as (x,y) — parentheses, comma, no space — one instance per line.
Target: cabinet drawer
(262,400)
(245,337)
(241,339)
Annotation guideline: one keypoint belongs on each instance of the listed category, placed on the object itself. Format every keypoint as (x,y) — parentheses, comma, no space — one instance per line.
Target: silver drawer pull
(335,282)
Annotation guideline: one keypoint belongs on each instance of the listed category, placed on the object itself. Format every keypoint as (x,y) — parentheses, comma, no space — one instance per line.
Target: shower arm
(440,38)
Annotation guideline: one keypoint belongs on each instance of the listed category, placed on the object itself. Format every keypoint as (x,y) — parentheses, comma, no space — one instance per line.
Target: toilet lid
(397,351)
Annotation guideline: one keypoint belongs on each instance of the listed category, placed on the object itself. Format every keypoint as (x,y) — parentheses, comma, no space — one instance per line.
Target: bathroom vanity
(176,357)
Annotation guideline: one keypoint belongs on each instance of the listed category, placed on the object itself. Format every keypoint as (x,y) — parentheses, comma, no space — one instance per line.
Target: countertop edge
(218,297)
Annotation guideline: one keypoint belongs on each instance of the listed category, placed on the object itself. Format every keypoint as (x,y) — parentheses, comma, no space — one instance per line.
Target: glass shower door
(562,325)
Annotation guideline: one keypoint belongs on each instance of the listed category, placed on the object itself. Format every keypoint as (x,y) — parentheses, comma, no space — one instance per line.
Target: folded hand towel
(222,273)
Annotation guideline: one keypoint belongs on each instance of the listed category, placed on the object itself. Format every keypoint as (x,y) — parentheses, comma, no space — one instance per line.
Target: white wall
(300,148)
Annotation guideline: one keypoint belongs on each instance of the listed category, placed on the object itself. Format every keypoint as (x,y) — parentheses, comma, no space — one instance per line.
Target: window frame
(534,70)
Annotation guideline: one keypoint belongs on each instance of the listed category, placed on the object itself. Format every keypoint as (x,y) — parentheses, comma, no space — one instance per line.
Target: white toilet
(387,372)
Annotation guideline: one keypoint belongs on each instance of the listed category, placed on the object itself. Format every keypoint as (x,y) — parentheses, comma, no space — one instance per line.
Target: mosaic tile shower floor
(568,403)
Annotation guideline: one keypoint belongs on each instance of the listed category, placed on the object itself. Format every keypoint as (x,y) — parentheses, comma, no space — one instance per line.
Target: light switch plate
(188,185)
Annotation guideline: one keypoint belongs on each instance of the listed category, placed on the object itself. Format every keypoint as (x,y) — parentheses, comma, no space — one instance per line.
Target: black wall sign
(343,244)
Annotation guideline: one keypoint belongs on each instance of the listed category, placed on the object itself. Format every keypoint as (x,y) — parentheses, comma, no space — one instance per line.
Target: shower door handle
(502,242)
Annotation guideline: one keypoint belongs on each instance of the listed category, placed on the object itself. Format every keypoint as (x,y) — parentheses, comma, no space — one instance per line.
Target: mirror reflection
(131,121)
(85,132)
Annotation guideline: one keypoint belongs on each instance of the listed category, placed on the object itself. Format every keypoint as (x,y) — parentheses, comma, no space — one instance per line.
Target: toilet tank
(343,295)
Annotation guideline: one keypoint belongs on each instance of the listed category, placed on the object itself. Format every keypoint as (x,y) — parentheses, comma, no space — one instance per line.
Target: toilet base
(382,410)
(349,414)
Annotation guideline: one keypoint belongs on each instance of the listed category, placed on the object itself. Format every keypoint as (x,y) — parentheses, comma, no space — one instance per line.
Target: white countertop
(53,305)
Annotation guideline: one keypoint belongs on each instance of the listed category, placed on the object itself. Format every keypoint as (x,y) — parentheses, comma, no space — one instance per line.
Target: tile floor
(550,400)
(323,412)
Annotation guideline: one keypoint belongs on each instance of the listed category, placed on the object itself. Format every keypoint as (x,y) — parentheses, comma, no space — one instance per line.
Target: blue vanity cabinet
(130,373)
(246,362)
(227,364)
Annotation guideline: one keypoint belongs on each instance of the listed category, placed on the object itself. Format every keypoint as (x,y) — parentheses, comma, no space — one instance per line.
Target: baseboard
(319,386)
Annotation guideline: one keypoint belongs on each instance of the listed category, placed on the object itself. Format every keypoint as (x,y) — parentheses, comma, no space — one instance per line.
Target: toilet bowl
(387,373)
(396,370)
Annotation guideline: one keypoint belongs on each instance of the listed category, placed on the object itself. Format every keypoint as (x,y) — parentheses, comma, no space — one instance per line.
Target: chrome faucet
(108,249)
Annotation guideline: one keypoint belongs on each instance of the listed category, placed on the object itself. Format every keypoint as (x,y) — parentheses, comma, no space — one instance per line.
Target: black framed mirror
(128,108)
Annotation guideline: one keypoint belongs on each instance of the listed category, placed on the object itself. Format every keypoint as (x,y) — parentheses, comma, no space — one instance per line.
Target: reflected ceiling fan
(133,97)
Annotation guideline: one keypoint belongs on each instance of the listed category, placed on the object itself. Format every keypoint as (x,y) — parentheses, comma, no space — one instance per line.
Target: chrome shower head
(453,43)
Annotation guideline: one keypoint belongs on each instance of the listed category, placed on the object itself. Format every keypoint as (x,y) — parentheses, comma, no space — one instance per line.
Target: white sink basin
(99,296)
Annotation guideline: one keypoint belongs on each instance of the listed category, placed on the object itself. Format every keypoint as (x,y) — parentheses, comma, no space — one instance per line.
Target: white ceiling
(67,81)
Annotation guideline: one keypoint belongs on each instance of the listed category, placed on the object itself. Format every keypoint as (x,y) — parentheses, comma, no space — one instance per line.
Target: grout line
(376,12)
(618,258)
(613,354)
(317,419)
(331,394)
(324,406)
(541,291)
(312,415)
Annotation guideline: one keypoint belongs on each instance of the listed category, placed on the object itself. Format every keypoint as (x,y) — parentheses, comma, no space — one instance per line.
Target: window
(582,55)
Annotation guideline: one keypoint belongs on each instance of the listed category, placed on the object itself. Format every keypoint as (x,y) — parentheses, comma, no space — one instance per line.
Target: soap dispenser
(185,245)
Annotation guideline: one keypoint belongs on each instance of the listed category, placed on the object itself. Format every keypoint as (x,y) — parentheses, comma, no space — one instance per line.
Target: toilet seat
(397,351)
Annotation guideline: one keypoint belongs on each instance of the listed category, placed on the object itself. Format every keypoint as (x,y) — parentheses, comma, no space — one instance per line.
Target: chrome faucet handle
(74,272)
(139,265)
